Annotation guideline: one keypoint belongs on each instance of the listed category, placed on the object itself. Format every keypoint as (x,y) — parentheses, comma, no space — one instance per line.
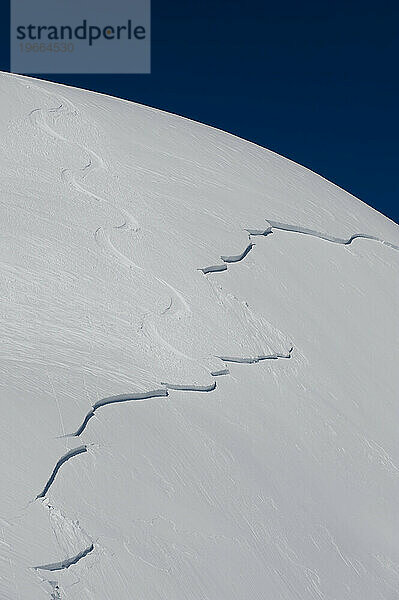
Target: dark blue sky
(315,81)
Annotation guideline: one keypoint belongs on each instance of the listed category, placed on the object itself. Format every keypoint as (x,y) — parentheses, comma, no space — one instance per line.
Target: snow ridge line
(325,236)
(67,562)
(60,462)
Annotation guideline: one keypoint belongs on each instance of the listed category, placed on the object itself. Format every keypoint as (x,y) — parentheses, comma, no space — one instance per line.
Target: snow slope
(199,384)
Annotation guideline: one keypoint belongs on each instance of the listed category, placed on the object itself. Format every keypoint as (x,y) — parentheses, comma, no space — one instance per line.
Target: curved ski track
(95,162)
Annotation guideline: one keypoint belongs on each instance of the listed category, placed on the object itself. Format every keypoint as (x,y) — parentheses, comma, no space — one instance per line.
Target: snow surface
(199,364)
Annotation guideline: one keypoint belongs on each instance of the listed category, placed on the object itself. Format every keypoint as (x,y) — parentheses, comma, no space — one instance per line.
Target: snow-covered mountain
(199,382)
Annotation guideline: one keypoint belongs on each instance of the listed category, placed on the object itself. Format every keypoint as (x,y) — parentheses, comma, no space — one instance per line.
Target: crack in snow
(213,269)
(327,236)
(294,229)
(238,257)
(255,359)
(191,388)
(229,259)
(114,400)
(220,372)
(57,467)
(95,162)
(67,562)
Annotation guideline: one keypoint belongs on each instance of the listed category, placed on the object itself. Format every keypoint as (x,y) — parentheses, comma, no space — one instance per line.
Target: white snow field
(199,385)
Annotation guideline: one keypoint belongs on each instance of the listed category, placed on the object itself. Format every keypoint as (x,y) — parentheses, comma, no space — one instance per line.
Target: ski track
(103,240)
(95,162)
